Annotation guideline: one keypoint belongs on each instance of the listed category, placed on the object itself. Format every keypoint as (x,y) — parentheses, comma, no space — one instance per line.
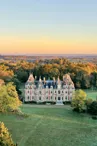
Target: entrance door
(59,98)
(59,101)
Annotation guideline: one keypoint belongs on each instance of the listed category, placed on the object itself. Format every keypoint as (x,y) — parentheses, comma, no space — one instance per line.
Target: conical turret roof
(31,78)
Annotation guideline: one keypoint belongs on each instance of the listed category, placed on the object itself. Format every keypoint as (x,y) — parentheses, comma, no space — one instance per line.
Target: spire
(58,80)
(44,80)
(31,78)
(54,79)
(40,80)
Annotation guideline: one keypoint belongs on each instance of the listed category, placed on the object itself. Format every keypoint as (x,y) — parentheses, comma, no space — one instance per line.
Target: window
(51,97)
(58,98)
(66,97)
(28,91)
(39,92)
(55,98)
(58,92)
(51,91)
(62,92)
(62,98)
(28,97)
(66,92)
(55,91)
(46,97)
(39,98)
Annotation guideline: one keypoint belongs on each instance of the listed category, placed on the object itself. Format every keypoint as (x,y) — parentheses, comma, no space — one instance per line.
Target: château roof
(66,81)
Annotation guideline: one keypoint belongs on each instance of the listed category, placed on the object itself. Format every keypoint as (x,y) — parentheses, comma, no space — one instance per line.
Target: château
(49,90)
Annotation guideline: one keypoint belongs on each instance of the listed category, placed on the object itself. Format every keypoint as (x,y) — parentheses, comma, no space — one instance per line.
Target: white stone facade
(49,91)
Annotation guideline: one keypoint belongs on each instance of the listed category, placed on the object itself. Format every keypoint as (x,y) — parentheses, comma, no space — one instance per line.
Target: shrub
(92,108)
(78,101)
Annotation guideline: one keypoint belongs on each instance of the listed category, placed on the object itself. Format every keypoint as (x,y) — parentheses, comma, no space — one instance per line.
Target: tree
(17,83)
(92,108)
(5,137)
(5,73)
(22,75)
(78,100)
(2,82)
(9,100)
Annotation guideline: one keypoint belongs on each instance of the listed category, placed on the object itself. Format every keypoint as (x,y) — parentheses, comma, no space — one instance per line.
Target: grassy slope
(51,126)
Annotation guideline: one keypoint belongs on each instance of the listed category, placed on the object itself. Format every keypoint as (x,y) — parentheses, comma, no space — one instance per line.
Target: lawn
(91,94)
(51,126)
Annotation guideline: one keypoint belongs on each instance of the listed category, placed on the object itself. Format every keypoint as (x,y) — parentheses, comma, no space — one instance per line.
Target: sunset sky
(48,27)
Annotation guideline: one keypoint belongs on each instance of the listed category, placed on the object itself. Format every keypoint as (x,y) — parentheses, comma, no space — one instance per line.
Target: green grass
(51,126)
(91,94)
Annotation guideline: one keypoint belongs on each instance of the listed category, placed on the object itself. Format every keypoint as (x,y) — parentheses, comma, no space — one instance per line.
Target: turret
(58,83)
(31,78)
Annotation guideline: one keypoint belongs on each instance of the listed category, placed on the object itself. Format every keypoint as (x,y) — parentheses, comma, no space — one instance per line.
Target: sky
(48,27)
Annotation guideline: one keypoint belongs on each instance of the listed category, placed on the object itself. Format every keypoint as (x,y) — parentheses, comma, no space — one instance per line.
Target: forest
(84,75)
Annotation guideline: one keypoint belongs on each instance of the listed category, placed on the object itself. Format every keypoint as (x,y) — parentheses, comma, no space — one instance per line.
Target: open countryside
(48,73)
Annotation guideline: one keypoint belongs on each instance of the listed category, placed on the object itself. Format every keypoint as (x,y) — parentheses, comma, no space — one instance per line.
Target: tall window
(58,98)
(39,98)
(58,92)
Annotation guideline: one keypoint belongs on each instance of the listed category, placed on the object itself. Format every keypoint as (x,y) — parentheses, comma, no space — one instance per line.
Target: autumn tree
(9,100)
(78,100)
(5,137)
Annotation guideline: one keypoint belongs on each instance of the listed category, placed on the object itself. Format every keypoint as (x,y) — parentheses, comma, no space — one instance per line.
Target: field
(51,126)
